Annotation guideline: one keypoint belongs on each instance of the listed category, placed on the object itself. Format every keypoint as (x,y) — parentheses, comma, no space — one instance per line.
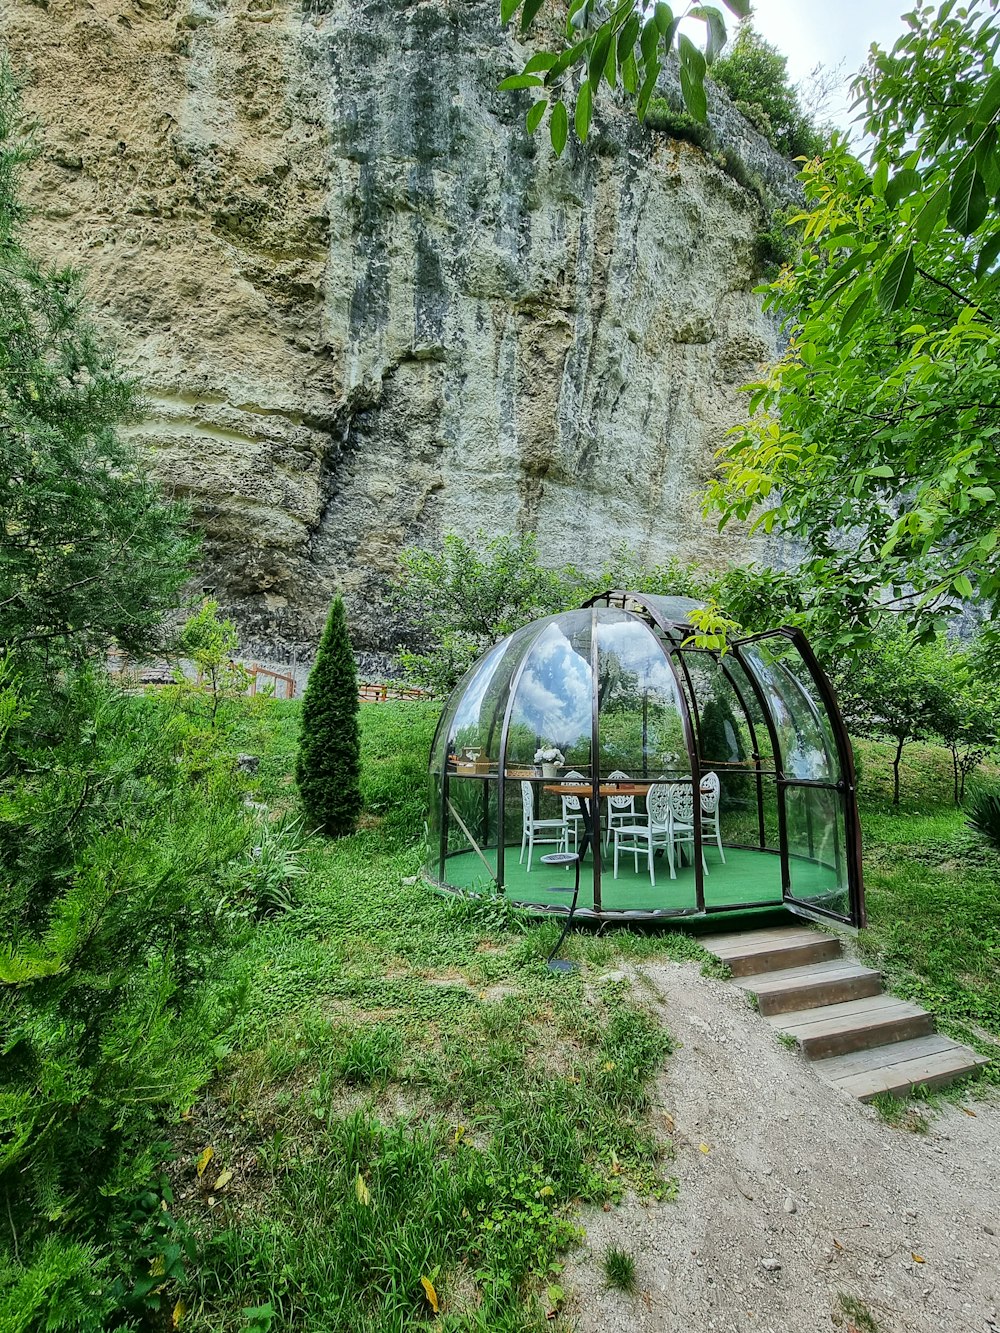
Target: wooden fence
(283,683)
(375,693)
(278,678)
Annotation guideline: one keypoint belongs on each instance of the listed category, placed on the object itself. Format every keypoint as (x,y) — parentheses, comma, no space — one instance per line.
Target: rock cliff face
(368,308)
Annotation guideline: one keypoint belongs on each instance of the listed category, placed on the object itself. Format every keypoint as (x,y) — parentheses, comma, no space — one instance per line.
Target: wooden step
(817,984)
(836,1029)
(861,1040)
(755,951)
(899,1068)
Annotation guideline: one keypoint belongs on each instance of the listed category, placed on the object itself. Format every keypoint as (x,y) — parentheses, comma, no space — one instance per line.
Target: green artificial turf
(747,877)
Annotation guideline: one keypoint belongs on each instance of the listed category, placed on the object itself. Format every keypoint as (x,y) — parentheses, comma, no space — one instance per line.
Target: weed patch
(619,1269)
(898,1112)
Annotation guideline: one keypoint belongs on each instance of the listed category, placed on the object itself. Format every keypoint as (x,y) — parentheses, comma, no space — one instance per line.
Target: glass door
(817,806)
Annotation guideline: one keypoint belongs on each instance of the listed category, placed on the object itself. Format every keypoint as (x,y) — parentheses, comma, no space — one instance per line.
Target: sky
(810,32)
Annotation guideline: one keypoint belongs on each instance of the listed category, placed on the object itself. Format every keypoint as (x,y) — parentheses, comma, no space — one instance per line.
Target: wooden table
(604,789)
(584,792)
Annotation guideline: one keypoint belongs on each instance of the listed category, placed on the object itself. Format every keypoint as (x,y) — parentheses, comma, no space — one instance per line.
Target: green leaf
(897,281)
(663,16)
(987,159)
(963,586)
(564,61)
(902,184)
(611,66)
(987,257)
(508,8)
(989,104)
(649,40)
(880,178)
(534,117)
(627,36)
(693,91)
(930,214)
(630,74)
(18,968)
(741,8)
(670,34)
(584,103)
(716,25)
(692,72)
(854,311)
(542,60)
(599,55)
(691,56)
(531,8)
(968,204)
(648,87)
(559,128)
(520,81)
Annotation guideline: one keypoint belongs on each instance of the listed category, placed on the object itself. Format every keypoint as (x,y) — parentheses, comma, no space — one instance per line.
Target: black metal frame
(676,644)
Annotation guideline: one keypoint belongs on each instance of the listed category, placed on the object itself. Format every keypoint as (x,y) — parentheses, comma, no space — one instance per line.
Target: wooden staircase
(860,1039)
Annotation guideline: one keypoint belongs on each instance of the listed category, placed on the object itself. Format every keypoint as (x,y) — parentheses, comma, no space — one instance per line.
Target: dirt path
(803,1194)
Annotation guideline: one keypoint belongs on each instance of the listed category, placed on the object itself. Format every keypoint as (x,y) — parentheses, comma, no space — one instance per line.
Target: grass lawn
(412,1106)
(413,1103)
(933,894)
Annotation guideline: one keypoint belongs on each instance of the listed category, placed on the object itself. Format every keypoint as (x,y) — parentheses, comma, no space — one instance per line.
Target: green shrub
(59,1285)
(265,876)
(678,123)
(777,244)
(983,807)
(113,859)
(210,644)
(328,768)
(755,76)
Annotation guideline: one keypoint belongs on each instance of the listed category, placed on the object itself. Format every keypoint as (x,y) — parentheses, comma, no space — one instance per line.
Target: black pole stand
(563,859)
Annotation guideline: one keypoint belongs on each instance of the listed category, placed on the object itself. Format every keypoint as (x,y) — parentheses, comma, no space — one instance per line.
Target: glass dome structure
(592,731)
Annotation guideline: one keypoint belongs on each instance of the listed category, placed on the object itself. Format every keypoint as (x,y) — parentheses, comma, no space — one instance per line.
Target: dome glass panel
(688,781)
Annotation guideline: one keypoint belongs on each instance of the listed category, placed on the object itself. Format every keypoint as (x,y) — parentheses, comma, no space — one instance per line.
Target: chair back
(710,789)
(527,801)
(658,805)
(620,802)
(571,803)
(681,797)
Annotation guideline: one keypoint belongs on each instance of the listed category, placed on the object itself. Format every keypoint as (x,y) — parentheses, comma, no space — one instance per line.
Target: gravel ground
(790,1194)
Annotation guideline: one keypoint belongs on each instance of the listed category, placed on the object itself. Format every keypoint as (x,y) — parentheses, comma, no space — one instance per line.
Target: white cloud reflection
(555,693)
(468,711)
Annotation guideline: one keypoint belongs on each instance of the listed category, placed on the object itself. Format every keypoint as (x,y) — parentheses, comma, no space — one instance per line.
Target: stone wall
(368,309)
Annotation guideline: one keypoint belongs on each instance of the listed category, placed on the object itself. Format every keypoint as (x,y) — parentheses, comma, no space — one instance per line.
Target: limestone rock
(369,309)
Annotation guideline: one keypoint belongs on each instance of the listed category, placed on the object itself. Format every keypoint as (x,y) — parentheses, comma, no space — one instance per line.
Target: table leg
(591,827)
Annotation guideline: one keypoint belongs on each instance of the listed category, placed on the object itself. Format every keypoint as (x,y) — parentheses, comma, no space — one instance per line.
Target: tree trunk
(895,769)
(954,769)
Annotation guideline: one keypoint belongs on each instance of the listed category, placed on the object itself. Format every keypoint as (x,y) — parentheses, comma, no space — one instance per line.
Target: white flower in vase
(550,759)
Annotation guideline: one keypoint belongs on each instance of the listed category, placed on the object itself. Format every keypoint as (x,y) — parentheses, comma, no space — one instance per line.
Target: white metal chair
(711,792)
(648,837)
(538,830)
(621,809)
(681,797)
(571,812)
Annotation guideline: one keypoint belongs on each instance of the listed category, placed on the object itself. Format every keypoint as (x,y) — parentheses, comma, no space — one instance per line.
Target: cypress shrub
(328,767)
